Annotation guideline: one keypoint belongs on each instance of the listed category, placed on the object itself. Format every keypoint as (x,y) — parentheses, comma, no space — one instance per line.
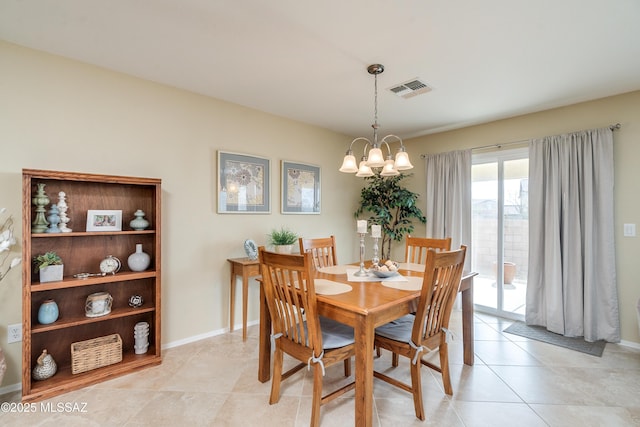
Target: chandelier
(375,157)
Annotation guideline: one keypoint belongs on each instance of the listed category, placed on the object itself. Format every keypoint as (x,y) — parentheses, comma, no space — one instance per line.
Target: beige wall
(63,115)
(623,109)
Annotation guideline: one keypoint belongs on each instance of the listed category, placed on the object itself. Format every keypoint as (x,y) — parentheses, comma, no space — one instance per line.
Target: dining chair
(298,330)
(415,251)
(412,336)
(323,250)
(416,248)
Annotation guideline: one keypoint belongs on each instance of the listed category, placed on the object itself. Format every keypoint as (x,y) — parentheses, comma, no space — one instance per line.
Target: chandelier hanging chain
(375,109)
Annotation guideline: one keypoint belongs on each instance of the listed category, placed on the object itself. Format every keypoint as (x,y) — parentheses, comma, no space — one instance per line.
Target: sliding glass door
(500,231)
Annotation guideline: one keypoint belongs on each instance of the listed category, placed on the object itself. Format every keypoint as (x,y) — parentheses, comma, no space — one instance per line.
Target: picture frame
(104,220)
(243,183)
(301,188)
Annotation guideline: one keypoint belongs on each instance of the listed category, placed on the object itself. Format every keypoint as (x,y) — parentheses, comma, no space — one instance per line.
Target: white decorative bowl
(383,274)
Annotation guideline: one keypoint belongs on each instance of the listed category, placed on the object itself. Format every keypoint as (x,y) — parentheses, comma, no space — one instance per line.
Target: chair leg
(444,368)
(317,395)
(394,360)
(416,385)
(347,367)
(277,376)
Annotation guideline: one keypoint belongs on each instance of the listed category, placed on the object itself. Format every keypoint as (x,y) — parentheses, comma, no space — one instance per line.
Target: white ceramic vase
(283,249)
(139,261)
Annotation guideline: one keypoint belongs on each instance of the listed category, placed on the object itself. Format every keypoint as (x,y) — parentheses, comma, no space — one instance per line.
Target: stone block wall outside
(516,246)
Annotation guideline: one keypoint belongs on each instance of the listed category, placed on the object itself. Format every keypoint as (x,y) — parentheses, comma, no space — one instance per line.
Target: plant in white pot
(50,267)
(283,240)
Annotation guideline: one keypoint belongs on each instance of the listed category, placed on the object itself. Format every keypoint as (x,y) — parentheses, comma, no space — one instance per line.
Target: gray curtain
(572,289)
(448,197)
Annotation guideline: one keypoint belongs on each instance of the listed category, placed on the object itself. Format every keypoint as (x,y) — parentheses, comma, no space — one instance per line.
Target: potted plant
(392,206)
(50,267)
(283,240)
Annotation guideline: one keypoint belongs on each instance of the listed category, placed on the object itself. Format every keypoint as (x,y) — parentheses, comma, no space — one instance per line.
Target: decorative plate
(251,249)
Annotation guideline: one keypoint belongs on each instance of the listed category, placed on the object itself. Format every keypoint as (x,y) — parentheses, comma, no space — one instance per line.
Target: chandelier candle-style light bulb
(375,158)
(349,164)
(389,169)
(364,170)
(402,161)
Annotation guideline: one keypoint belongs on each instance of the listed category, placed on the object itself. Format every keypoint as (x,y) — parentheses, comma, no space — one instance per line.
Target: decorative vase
(283,249)
(139,223)
(98,304)
(51,273)
(139,261)
(45,367)
(136,301)
(54,220)
(48,312)
(40,200)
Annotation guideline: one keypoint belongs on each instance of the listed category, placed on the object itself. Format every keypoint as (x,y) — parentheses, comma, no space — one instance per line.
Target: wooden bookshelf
(82,251)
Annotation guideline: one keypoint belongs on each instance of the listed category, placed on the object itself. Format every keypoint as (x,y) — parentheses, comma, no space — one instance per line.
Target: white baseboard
(630,344)
(10,388)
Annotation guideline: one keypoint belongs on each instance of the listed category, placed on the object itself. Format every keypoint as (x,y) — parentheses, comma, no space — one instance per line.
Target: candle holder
(375,259)
(362,272)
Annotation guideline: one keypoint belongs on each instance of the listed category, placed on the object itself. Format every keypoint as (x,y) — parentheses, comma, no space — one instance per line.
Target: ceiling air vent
(410,89)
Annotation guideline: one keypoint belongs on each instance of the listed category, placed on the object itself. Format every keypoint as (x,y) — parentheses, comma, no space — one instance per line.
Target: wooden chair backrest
(443,272)
(416,248)
(323,250)
(291,298)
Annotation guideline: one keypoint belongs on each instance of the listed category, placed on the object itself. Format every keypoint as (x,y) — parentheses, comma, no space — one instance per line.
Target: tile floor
(515,382)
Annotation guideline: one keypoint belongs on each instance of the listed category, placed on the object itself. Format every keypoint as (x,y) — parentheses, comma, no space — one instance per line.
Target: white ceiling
(306,60)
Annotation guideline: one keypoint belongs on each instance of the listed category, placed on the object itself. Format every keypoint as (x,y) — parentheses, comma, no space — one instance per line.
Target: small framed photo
(300,188)
(243,183)
(101,220)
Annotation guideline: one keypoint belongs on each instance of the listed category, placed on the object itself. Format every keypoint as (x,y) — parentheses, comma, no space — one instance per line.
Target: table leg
(264,349)
(232,298)
(364,332)
(467,321)
(245,297)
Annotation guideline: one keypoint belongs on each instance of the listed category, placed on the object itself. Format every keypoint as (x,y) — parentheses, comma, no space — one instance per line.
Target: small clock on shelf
(110,265)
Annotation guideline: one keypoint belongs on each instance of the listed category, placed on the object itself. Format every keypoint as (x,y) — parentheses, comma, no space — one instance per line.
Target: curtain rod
(522,141)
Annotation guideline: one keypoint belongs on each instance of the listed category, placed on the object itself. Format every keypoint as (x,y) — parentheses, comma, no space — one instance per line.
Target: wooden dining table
(368,305)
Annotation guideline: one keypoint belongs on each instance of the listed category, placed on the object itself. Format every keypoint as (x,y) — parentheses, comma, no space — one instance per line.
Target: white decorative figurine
(62,209)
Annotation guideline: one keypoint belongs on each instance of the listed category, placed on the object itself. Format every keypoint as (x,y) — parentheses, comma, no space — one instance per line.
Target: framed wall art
(104,220)
(243,183)
(300,188)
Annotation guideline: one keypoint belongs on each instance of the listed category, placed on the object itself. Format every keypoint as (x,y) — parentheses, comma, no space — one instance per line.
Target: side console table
(246,268)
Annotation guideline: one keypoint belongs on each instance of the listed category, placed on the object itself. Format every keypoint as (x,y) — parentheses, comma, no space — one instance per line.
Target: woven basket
(95,353)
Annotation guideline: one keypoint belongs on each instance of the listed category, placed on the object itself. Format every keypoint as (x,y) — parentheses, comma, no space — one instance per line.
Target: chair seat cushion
(397,330)
(335,334)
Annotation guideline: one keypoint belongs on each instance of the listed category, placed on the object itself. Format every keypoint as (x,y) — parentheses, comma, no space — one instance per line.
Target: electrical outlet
(629,230)
(14,333)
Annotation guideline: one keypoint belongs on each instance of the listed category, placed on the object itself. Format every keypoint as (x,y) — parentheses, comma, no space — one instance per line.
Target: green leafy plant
(390,205)
(283,236)
(45,260)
